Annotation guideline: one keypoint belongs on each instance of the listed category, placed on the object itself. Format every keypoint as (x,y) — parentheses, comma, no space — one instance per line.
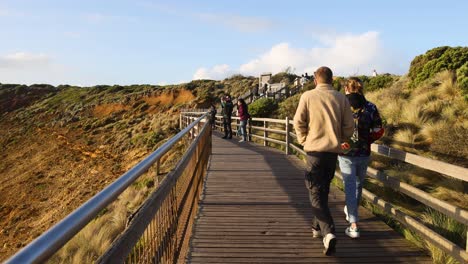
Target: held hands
(345,146)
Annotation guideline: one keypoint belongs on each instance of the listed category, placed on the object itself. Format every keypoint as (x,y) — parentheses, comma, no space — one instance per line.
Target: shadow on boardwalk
(255,209)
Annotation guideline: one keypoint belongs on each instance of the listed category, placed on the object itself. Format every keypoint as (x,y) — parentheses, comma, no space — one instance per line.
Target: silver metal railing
(52,240)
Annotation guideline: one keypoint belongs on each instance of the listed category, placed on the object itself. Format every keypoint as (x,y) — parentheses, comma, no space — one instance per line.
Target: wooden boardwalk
(255,209)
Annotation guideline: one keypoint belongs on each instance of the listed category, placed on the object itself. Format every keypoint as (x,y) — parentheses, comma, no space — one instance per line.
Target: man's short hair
(324,75)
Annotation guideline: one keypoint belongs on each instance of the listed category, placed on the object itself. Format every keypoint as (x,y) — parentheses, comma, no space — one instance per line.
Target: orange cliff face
(54,158)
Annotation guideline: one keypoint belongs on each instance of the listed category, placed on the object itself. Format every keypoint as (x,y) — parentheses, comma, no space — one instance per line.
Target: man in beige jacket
(323,120)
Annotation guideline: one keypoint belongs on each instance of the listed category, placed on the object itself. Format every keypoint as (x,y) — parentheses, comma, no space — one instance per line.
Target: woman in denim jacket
(353,163)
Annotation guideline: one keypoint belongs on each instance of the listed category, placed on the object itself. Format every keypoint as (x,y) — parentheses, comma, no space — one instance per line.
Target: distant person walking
(353,164)
(303,81)
(264,90)
(255,92)
(227,108)
(374,73)
(322,121)
(244,116)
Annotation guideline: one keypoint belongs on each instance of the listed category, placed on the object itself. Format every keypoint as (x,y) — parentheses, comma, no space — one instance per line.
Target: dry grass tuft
(97,236)
(452,195)
(430,130)
(407,139)
(434,108)
(424,98)
(391,111)
(414,114)
(447,227)
(448,88)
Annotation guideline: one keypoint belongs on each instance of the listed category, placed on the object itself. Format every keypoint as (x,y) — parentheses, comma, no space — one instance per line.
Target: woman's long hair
(242,101)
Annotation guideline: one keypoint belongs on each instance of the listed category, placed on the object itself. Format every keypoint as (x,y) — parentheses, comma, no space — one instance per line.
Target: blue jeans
(243,126)
(354,171)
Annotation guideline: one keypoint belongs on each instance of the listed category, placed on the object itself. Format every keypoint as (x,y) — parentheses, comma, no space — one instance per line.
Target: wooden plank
(256,209)
(430,164)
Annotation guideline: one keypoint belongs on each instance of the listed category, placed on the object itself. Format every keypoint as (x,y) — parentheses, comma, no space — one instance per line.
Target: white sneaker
(241,140)
(329,242)
(346,213)
(316,233)
(352,232)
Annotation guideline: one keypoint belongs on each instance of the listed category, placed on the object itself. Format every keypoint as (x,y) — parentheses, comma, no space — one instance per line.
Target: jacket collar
(324,86)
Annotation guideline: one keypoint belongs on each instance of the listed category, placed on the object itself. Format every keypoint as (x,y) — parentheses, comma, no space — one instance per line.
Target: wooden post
(180,122)
(265,133)
(287,136)
(250,128)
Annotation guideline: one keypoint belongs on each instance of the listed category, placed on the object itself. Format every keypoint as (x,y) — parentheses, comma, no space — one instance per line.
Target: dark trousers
(320,172)
(227,126)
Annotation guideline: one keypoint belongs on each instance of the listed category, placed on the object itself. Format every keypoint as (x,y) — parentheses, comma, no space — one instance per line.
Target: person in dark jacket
(213,116)
(353,163)
(244,116)
(255,92)
(227,108)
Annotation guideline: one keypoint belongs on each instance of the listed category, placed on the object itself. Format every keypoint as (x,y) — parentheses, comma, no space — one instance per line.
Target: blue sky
(90,42)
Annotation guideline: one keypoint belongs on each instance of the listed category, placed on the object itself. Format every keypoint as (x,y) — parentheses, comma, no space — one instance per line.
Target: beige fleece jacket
(323,120)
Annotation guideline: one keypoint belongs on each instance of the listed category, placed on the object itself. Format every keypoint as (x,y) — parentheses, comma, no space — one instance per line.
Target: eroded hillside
(60,146)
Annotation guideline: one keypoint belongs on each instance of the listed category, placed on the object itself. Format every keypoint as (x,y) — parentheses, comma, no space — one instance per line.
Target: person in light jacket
(323,120)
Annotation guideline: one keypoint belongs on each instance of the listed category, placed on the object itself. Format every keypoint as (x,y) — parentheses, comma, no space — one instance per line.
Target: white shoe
(352,232)
(329,242)
(316,233)
(241,140)
(346,213)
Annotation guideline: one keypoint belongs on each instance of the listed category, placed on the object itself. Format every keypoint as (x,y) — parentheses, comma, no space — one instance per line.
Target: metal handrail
(160,230)
(52,240)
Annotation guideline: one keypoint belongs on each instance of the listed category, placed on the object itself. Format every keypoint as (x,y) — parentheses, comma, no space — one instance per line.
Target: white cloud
(215,73)
(239,23)
(345,54)
(29,68)
(24,60)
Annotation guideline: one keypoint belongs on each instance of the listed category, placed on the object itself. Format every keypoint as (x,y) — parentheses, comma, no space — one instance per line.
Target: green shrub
(284,76)
(436,60)
(263,107)
(288,107)
(310,85)
(462,79)
(338,83)
(379,82)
